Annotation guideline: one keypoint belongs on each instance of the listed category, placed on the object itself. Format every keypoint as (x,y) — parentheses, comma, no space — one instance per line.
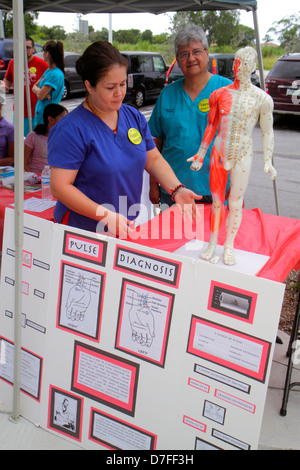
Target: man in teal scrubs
(179,118)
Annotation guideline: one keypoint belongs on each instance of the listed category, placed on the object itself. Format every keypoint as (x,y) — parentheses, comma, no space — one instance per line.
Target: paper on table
(35,204)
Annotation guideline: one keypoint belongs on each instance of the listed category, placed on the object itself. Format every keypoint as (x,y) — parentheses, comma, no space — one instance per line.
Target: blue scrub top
(55,79)
(109,165)
(181,123)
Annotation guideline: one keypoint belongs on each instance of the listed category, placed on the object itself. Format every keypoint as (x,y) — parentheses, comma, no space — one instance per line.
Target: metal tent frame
(20,7)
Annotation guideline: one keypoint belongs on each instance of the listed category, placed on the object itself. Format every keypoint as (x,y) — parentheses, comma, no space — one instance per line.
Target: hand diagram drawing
(78,300)
(141,320)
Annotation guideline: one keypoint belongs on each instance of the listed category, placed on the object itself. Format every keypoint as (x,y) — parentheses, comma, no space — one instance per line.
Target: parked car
(283,84)
(73,81)
(146,76)
(7,53)
(221,64)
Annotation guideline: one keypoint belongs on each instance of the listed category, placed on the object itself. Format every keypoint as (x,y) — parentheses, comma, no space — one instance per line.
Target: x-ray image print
(231,302)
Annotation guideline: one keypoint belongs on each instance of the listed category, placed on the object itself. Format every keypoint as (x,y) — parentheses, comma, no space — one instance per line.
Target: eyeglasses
(29,47)
(196,53)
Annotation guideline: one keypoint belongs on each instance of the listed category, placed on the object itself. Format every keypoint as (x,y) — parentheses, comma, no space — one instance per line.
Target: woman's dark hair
(52,110)
(97,60)
(56,51)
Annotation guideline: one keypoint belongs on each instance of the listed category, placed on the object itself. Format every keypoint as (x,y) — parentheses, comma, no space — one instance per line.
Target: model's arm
(62,188)
(209,134)
(266,125)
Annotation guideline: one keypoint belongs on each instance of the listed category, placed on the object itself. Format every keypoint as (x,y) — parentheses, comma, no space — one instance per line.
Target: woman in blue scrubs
(99,151)
(180,115)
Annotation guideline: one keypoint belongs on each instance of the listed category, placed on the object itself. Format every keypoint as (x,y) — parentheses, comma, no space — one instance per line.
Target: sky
(268,11)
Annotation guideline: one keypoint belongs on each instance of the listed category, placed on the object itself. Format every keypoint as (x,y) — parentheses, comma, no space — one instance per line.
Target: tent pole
(263,85)
(29,110)
(259,52)
(18,27)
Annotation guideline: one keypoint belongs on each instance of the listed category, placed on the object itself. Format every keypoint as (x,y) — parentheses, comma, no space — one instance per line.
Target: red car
(283,84)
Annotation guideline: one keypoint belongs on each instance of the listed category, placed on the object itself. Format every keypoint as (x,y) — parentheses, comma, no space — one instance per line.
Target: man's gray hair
(190,32)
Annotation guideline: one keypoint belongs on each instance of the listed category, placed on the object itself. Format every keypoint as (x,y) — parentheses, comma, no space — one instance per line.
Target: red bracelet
(175,191)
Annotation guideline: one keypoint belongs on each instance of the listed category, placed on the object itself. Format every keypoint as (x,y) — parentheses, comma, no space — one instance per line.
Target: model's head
(245,62)
(97,60)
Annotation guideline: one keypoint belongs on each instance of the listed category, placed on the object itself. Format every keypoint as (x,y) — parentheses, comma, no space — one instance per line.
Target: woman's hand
(185,199)
(117,224)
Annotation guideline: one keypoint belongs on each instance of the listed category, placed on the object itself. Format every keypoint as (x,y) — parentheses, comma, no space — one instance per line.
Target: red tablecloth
(270,235)
(7,197)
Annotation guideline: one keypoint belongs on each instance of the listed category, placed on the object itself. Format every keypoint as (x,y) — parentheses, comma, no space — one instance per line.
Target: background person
(99,151)
(35,144)
(6,141)
(179,118)
(49,88)
(36,68)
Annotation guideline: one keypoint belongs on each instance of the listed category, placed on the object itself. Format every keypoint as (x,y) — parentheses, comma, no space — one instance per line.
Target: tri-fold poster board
(133,348)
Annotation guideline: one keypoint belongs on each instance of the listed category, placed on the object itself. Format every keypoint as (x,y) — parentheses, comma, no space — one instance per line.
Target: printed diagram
(141,319)
(80,300)
(144,321)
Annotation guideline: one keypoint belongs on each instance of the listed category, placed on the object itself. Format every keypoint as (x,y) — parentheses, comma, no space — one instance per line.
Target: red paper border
(129,407)
(102,288)
(161,362)
(100,243)
(176,264)
(260,376)
(253,296)
(114,418)
(59,429)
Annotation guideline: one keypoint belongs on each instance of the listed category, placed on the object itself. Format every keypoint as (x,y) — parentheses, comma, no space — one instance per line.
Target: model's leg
(218,180)
(239,183)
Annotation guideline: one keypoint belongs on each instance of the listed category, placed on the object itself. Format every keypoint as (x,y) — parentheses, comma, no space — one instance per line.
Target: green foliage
(286,31)
(31,27)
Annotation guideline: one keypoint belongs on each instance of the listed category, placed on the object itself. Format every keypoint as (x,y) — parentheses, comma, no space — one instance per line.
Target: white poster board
(131,348)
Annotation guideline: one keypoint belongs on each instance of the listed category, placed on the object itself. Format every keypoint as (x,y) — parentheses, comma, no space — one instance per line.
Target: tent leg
(263,86)
(18,25)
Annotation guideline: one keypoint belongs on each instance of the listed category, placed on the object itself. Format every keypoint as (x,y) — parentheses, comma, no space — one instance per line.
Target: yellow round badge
(204,106)
(134,136)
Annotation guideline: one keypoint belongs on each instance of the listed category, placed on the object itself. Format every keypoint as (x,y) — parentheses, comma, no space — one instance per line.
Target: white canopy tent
(77,6)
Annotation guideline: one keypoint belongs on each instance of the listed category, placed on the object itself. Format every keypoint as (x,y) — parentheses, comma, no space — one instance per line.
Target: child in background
(35,149)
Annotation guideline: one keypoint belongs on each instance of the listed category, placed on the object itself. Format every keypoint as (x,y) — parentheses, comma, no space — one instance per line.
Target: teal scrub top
(180,123)
(54,78)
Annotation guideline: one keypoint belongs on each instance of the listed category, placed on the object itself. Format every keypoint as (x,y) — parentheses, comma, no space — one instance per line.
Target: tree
(54,32)
(286,31)
(130,36)
(147,35)
(30,18)
(219,26)
(244,36)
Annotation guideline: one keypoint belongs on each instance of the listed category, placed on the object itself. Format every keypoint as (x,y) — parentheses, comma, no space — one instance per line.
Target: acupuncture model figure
(234,112)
